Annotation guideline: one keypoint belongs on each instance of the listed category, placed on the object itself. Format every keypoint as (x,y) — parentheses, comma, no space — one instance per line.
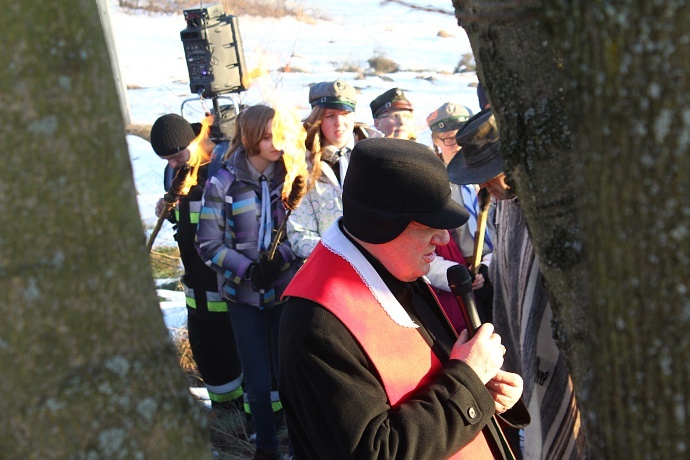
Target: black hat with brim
(479,159)
(392,182)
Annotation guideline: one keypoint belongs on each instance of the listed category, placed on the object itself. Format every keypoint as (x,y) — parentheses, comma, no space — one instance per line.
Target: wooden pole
(484,201)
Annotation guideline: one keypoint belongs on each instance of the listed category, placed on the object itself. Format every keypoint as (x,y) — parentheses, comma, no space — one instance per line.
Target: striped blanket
(522,316)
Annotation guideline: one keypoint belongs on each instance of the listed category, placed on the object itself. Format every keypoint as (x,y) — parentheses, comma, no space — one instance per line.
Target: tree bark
(89,370)
(591,100)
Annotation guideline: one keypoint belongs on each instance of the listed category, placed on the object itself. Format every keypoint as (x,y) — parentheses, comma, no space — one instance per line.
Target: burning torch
(289,135)
(170,199)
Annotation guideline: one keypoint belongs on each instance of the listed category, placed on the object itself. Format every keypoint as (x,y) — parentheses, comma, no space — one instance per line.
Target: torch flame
(261,70)
(289,136)
(199,154)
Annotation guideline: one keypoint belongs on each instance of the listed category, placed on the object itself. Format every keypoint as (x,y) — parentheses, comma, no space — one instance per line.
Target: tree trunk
(592,101)
(88,368)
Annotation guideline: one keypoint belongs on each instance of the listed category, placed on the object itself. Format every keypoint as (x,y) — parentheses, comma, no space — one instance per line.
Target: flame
(260,71)
(199,154)
(289,135)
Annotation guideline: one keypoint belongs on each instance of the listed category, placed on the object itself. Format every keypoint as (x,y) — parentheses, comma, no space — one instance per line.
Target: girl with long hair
(331,134)
(241,208)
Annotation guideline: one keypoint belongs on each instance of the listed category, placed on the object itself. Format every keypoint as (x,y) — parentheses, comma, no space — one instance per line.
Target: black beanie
(391,182)
(171,134)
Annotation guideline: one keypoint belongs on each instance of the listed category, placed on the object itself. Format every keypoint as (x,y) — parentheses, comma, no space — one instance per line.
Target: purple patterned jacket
(227,237)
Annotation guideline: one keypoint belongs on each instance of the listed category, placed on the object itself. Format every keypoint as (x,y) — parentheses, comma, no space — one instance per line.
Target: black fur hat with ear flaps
(391,182)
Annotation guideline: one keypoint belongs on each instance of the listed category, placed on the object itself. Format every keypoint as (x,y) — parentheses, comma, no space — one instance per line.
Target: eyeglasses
(448,141)
(398,117)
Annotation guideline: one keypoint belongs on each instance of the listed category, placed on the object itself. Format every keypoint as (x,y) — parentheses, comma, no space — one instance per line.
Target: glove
(264,273)
(484,270)
(276,264)
(260,277)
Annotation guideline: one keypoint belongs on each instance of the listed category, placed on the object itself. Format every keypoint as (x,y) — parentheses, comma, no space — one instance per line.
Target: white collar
(335,241)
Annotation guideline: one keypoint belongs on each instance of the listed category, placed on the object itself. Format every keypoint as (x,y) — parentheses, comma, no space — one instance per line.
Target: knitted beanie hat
(171,134)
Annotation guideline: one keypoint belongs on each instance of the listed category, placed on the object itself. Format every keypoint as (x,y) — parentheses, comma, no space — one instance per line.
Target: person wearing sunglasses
(444,123)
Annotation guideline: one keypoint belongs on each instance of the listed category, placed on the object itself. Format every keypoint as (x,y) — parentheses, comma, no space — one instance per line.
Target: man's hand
(484,353)
(160,206)
(478,282)
(506,389)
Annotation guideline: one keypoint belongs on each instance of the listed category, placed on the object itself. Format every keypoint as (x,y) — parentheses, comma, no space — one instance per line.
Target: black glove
(264,273)
(260,276)
(277,263)
(484,270)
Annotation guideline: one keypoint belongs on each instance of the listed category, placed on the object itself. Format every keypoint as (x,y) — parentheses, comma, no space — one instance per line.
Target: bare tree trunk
(88,368)
(592,103)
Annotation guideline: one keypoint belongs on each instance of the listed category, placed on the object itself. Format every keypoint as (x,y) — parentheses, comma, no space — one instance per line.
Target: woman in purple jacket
(241,208)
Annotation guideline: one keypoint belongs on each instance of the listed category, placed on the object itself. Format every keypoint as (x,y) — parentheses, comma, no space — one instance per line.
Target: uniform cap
(393,99)
(448,117)
(338,95)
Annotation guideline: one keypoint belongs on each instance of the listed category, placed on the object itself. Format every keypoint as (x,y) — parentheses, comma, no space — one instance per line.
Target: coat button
(471,412)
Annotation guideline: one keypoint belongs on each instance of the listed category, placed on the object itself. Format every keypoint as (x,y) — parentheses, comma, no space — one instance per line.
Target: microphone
(460,283)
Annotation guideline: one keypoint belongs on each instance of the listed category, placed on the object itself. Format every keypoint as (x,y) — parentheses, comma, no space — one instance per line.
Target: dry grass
(186,359)
(382,65)
(229,436)
(466,64)
(140,130)
(166,263)
(350,66)
(227,429)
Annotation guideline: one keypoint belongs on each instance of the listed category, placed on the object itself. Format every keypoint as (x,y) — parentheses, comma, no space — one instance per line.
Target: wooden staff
(484,198)
(170,198)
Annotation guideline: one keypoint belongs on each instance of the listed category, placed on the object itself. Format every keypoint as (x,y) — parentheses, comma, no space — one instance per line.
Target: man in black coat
(370,367)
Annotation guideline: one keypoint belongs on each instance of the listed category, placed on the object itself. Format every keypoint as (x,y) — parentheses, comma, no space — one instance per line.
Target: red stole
(402,358)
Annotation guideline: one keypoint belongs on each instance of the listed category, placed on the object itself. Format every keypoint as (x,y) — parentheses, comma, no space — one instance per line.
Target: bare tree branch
(429,9)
